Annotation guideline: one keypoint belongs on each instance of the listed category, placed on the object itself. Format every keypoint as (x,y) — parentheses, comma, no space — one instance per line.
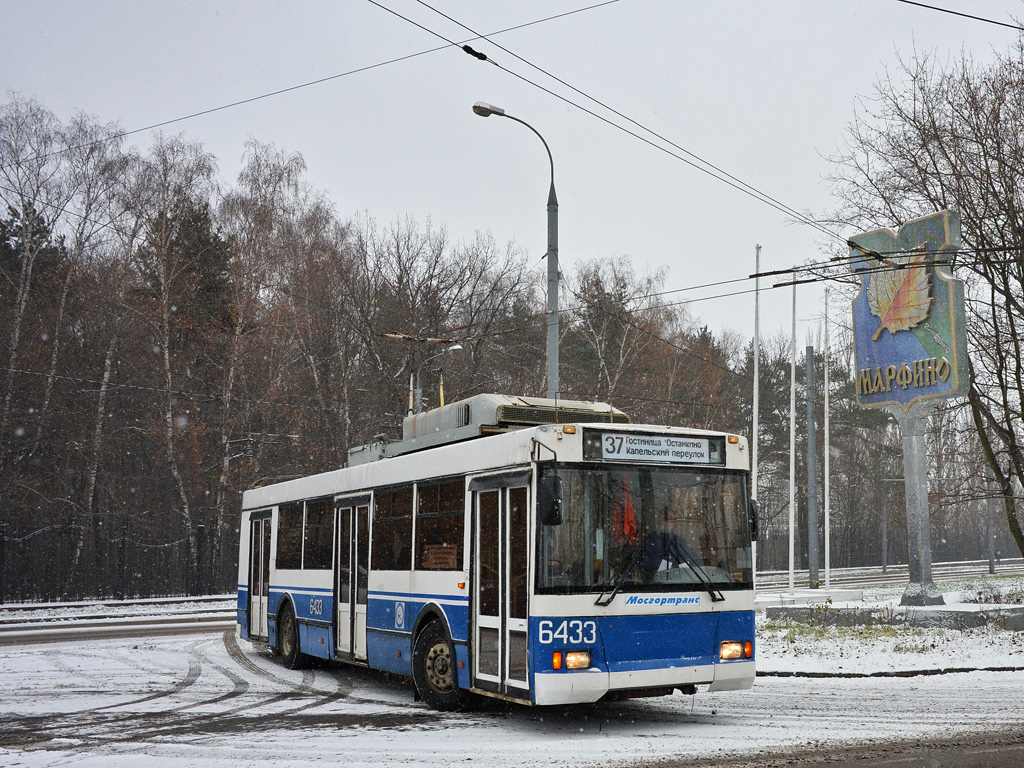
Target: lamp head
(486,110)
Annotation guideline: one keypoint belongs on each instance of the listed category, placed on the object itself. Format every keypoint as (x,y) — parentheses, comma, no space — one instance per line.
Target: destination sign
(619,446)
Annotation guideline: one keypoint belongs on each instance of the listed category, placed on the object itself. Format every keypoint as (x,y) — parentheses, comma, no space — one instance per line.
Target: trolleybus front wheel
(433,670)
(288,639)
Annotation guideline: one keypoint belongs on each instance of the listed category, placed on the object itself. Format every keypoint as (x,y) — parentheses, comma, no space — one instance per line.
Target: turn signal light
(571,660)
(748,650)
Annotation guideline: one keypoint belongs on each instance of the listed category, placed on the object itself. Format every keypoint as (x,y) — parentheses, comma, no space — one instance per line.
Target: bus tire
(433,670)
(288,639)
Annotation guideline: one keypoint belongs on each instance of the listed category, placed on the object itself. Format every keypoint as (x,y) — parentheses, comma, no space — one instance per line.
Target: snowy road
(205,700)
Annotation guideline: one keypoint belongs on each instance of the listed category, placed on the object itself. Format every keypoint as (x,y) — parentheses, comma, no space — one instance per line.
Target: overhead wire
(318,81)
(618,315)
(744,187)
(962,15)
(738,185)
(832,264)
(748,188)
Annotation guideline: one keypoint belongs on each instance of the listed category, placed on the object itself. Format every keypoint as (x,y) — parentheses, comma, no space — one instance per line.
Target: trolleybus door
(350,572)
(259,573)
(501,568)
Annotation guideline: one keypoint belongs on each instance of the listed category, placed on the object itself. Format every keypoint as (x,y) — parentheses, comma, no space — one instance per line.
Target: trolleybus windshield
(647,528)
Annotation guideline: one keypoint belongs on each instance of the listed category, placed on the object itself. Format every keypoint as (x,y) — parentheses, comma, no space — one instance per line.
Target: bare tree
(940,136)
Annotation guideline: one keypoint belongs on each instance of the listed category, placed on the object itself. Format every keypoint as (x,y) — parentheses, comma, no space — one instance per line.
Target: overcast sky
(764,90)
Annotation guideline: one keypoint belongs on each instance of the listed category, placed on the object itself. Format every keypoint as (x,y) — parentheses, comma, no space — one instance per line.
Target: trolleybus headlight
(577,659)
(731,650)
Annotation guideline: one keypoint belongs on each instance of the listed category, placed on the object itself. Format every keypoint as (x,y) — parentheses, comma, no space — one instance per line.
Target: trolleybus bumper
(590,685)
(733,676)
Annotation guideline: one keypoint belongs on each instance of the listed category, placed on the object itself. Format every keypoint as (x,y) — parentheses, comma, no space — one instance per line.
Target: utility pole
(812,477)
(990,484)
(792,446)
(756,427)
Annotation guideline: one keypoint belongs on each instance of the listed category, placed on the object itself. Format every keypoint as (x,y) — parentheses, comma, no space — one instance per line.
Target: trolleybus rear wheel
(433,670)
(288,639)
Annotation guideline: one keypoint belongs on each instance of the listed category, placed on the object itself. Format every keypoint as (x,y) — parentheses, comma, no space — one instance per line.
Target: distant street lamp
(486,110)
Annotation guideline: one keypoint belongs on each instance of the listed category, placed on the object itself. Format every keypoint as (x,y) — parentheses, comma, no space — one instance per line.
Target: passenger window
(289,536)
(318,535)
(440,524)
(391,548)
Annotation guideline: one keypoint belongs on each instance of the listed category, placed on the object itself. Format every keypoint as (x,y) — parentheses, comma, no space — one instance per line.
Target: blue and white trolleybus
(538,551)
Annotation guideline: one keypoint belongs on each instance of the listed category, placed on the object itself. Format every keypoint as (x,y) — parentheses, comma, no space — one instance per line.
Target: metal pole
(554,275)
(553,278)
(812,477)
(124,560)
(203,587)
(3,555)
(757,361)
(755,429)
(989,483)
(792,445)
(920,589)
(828,456)
(885,524)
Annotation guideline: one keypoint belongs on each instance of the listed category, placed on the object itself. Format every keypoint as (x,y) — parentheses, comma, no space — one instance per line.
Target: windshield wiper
(620,582)
(681,554)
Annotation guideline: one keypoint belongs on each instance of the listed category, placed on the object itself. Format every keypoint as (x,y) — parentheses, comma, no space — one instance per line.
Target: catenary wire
(758,193)
(845,277)
(308,84)
(739,186)
(964,15)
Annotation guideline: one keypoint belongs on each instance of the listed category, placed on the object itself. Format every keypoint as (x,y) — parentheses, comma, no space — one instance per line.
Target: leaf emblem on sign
(900,298)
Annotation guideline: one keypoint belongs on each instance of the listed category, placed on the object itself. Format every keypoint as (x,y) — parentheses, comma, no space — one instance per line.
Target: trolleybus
(538,551)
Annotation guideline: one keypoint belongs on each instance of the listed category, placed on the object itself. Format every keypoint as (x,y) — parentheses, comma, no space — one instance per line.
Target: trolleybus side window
(440,525)
(289,536)
(391,548)
(318,535)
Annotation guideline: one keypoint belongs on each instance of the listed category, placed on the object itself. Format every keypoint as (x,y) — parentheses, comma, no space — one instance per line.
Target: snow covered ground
(206,700)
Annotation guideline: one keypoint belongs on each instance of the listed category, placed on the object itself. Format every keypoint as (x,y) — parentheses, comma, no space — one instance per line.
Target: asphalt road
(1001,749)
(173,699)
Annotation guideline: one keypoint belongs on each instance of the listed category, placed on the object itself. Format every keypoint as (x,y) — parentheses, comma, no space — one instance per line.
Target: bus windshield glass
(647,529)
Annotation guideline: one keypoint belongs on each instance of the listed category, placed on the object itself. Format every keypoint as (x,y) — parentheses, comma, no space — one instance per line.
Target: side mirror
(549,499)
(752,513)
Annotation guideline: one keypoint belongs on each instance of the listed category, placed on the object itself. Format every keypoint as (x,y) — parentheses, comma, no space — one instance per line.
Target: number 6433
(570,631)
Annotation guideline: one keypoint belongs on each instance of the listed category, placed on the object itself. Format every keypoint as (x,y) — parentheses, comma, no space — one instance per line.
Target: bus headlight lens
(577,659)
(731,650)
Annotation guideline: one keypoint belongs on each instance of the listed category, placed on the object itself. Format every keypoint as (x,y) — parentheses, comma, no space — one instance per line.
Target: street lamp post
(486,110)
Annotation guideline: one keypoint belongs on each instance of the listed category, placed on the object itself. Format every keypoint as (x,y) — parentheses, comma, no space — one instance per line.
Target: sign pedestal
(913,424)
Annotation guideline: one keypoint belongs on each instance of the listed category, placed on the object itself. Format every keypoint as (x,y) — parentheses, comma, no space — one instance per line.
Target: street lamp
(486,110)
(416,392)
